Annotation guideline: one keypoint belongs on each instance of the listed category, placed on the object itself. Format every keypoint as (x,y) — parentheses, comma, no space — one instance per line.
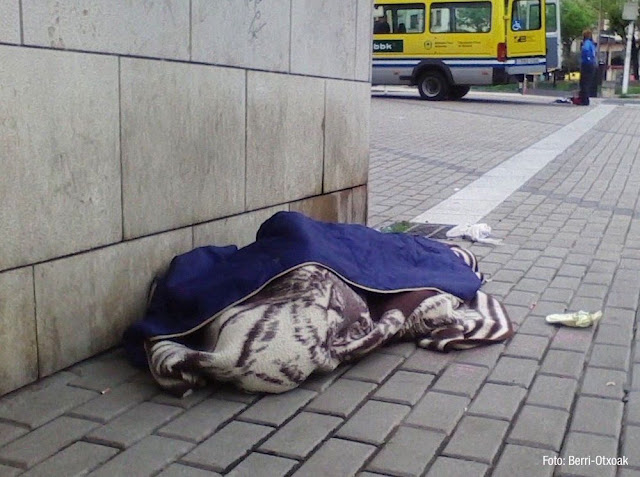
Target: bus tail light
(502,52)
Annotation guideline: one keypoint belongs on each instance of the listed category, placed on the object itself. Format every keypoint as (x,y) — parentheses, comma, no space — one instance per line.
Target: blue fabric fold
(206,280)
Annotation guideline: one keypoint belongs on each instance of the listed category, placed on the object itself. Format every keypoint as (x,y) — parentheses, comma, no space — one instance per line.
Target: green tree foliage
(575,16)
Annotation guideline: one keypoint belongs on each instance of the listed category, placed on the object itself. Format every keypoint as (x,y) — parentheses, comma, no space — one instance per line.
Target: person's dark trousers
(587,73)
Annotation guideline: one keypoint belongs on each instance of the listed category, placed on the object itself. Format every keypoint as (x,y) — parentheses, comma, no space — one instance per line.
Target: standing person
(587,67)
(381,25)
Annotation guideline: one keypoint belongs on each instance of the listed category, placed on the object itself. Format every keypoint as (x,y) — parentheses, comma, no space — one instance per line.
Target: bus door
(554,42)
(526,37)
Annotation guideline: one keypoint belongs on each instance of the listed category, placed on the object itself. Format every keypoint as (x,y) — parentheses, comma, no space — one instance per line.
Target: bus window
(526,15)
(460,17)
(552,21)
(399,18)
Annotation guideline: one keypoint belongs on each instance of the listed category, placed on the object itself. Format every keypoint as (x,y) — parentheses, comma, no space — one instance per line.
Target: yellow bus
(446,46)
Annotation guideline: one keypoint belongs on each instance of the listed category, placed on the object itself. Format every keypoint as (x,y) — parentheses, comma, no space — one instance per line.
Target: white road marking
(476,200)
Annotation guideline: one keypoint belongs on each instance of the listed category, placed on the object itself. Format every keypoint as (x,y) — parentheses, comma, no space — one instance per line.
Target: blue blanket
(206,280)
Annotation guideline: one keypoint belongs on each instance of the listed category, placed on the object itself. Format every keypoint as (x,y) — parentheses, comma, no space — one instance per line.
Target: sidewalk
(529,407)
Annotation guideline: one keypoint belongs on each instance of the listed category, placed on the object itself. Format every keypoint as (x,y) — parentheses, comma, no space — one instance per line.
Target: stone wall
(134,131)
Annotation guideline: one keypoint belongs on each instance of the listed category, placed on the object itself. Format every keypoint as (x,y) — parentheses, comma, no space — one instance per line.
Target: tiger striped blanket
(310,320)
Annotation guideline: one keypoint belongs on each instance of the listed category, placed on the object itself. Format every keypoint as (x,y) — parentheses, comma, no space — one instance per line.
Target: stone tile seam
(179,61)
(629,385)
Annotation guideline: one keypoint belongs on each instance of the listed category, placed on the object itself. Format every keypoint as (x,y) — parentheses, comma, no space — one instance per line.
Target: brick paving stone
(540,272)
(9,432)
(103,372)
(179,470)
(373,422)
(133,425)
(572,339)
(437,411)
(227,392)
(568,270)
(77,459)
(374,368)
(399,349)
(275,409)
(449,467)
(623,472)
(261,464)
(539,427)
(481,356)
(566,364)
(497,401)
(514,371)
(40,403)
(321,382)
(580,445)
(597,416)
(586,303)
(536,325)
(462,379)
(519,460)
(497,288)
(342,398)
(609,356)
(201,420)
(146,457)
(518,297)
(187,402)
(408,452)
(596,291)
(560,295)
(630,445)
(566,282)
(531,285)
(404,387)
(517,314)
(7,471)
(115,402)
(527,346)
(227,446)
(425,361)
(614,335)
(604,383)
(551,391)
(549,262)
(336,457)
(477,438)
(508,276)
(45,441)
(298,437)
(632,408)
(622,299)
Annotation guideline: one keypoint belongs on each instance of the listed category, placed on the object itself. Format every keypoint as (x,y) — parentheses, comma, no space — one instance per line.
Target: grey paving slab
(179,470)
(342,398)
(301,435)
(42,402)
(604,383)
(10,432)
(630,444)
(261,464)
(227,446)
(77,459)
(374,368)
(520,460)
(527,346)
(202,420)
(572,339)
(614,335)
(477,438)
(45,441)
(103,372)
(424,361)
(450,467)
(580,451)
(118,400)
(486,356)
(535,324)
(497,401)
(320,382)
(552,391)
(404,387)
(186,402)
(566,364)
(336,457)
(517,371)
(462,379)
(275,409)
(609,357)
(539,427)
(408,452)
(8,471)
(597,416)
(399,349)
(632,408)
(133,425)
(145,458)
(373,422)
(438,411)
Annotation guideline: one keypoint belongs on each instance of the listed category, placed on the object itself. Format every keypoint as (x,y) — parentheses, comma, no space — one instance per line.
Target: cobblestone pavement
(571,240)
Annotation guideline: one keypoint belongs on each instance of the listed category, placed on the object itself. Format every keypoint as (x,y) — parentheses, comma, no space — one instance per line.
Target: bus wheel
(457,92)
(433,86)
